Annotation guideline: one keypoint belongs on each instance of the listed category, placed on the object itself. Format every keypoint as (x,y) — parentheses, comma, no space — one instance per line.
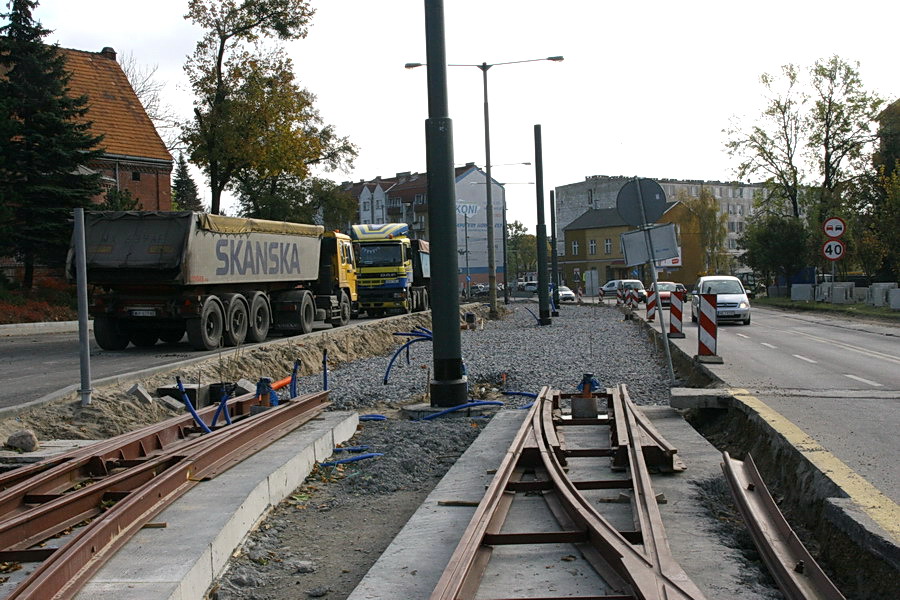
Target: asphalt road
(836,379)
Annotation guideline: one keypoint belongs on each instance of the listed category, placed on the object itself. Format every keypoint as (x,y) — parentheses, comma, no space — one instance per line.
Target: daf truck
(222,280)
(394,271)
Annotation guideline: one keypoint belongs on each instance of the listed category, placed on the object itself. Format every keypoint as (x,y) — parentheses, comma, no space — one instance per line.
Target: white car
(732,303)
(566,294)
(531,286)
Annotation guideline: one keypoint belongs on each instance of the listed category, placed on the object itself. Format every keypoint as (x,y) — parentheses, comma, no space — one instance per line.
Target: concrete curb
(47,327)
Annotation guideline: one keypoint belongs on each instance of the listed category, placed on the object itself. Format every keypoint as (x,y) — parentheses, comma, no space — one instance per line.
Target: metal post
(449,387)
(84,342)
(543,280)
(489,204)
(468,273)
(554,262)
(505,241)
(649,242)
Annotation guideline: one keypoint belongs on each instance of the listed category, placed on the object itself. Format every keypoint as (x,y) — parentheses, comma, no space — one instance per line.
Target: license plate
(143,313)
(726,313)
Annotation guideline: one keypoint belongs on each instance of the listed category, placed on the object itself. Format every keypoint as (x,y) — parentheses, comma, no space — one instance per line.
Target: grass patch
(881,313)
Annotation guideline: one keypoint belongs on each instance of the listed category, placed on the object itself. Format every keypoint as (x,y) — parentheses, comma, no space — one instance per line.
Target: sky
(646,88)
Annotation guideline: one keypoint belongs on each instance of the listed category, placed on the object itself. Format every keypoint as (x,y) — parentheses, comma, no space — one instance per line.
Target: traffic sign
(833,250)
(834,227)
(628,202)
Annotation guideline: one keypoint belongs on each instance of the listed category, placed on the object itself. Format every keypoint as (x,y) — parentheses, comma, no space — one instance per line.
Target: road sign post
(833,248)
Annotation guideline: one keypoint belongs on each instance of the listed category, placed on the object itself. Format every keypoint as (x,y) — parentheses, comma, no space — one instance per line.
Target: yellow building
(593,243)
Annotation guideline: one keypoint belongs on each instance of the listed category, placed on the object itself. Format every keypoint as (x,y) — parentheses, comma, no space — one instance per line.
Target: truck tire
(260,318)
(108,334)
(172,335)
(143,338)
(205,333)
(235,319)
(345,310)
(307,313)
(426,304)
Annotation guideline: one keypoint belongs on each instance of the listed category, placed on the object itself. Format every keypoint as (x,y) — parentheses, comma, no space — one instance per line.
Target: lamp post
(489,205)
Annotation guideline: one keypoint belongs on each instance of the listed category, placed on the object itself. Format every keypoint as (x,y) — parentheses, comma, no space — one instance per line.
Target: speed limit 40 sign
(833,249)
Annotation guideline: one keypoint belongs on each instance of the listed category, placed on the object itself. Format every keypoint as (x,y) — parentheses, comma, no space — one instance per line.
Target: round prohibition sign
(834,227)
(833,250)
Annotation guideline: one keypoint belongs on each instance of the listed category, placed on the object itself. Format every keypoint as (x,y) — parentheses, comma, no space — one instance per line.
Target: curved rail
(798,575)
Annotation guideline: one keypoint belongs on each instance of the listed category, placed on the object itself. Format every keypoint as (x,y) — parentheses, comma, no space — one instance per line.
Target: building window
(607,246)
(395,201)
(574,247)
(135,175)
(732,244)
(590,197)
(732,226)
(379,204)
(365,205)
(593,247)
(420,198)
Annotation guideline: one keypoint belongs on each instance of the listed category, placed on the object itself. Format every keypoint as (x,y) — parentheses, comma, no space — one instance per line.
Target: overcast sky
(646,88)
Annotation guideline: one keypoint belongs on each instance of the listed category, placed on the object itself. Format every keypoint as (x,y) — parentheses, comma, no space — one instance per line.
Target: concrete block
(198,394)
(894,299)
(139,392)
(802,292)
(699,398)
(172,403)
(860,294)
(584,408)
(878,293)
(244,386)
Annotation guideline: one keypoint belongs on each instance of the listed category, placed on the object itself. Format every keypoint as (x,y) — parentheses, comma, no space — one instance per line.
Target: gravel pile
(322,540)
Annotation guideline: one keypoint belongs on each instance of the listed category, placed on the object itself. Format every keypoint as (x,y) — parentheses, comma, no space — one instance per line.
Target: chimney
(108,52)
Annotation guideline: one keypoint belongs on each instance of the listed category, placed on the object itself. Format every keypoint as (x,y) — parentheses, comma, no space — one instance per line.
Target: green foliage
(712,227)
(118,200)
(252,120)
(184,190)
(522,249)
(286,198)
(44,146)
(888,154)
(775,245)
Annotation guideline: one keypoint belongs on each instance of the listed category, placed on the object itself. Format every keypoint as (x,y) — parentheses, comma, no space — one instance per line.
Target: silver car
(732,303)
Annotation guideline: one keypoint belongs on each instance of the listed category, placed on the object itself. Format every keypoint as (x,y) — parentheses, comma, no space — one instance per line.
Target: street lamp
(492,266)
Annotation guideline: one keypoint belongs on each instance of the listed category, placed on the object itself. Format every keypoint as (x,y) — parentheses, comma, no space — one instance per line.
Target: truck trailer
(394,270)
(223,280)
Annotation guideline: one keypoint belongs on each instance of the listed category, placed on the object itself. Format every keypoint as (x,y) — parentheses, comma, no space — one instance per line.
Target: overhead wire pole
(543,296)
(554,261)
(449,387)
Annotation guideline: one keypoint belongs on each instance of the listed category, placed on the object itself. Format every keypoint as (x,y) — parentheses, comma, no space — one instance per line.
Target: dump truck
(222,280)
(394,271)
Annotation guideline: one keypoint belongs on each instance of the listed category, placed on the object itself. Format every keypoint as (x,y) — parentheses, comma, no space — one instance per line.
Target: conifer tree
(45,143)
(184,190)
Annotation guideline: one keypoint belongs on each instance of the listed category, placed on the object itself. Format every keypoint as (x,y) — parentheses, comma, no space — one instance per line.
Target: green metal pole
(543,280)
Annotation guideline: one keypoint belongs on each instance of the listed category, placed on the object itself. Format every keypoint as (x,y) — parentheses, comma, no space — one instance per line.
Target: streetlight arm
(485,66)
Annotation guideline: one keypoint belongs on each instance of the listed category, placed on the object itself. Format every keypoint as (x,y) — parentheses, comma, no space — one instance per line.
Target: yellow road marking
(881,509)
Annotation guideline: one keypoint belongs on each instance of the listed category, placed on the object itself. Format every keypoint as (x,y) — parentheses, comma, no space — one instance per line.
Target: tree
(149,90)
(888,155)
(184,190)
(249,113)
(771,147)
(711,226)
(522,248)
(45,146)
(118,200)
(775,245)
(286,198)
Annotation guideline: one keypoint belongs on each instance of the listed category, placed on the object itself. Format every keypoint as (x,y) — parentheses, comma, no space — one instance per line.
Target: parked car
(665,291)
(613,285)
(531,286)
(732,303)
(566,294)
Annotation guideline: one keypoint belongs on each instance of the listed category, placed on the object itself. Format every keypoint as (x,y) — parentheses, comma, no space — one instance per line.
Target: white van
(732,303)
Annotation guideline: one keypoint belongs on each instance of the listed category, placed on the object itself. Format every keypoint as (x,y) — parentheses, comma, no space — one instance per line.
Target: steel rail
(629,570)
(797,573)
(70,566)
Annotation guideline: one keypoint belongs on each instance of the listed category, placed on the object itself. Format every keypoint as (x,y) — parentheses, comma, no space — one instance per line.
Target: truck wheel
(307,313)
(236,318)
(205,333)
(172,335)
(143,338)
(345,312)
(109,335)
(260,318)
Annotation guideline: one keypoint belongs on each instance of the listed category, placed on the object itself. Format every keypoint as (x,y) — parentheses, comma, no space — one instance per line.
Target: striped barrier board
(619,297)
(707,330)
(676,305)
(652,302)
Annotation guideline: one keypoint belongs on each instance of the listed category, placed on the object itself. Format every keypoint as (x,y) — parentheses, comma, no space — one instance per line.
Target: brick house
(135,157)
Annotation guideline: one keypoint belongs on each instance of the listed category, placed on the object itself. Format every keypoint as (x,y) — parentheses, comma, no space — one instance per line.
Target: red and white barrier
(707,330)
(676,305)
(652,303)
(619,297)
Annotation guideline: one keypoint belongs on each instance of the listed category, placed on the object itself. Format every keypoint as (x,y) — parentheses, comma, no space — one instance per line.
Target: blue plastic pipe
(294,373)
(222,409)
(372,418)
(537,320)
(460,407)
(397,353)
(190,407)
(351,459)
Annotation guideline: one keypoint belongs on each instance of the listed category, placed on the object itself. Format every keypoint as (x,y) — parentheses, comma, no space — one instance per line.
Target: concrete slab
(46,449)
(203,527)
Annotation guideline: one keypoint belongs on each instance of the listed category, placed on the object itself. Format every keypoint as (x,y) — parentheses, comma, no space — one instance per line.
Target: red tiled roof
(114,110)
